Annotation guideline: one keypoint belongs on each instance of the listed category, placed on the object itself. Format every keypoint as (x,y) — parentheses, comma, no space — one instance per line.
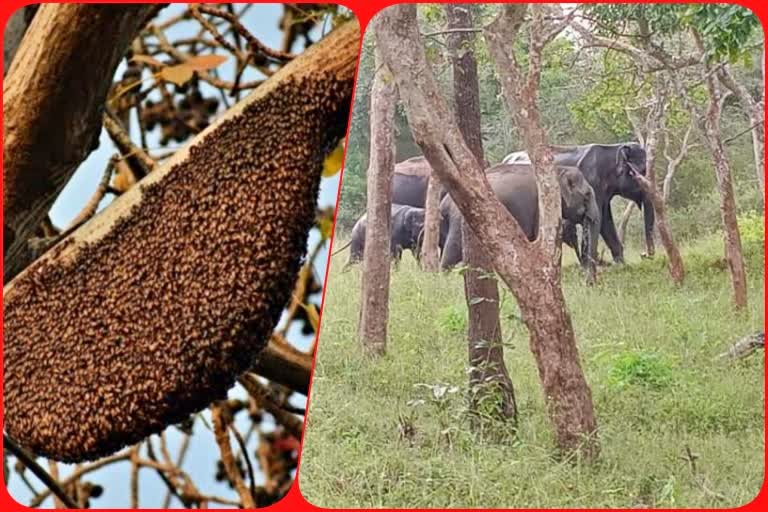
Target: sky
(262,21)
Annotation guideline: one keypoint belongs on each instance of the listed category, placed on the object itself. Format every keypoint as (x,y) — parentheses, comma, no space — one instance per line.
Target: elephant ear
(622,159)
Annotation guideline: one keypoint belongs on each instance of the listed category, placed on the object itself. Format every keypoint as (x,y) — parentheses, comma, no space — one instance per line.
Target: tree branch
(53,102)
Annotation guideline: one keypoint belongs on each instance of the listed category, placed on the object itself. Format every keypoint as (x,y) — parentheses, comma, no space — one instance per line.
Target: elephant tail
(337,251)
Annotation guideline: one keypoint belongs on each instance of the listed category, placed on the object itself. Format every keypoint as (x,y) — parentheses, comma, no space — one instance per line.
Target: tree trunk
(430,254)
(492,392)
(625,220)
(540,298)
(374,306)
(53,99)
(517,262)
(754,110)
(492,395)
(654,126)
(547,319)
(676,268)
(732,238)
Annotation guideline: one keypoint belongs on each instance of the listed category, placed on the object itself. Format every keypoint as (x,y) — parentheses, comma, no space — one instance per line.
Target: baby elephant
(407,224)
(515,186)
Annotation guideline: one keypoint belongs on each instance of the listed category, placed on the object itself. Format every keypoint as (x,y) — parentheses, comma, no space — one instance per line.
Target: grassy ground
(647,349)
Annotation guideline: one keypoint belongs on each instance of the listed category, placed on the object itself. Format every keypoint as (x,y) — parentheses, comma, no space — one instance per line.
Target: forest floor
(648,350)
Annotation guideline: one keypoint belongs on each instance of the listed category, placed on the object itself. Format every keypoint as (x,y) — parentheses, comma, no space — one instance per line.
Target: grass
(394,432)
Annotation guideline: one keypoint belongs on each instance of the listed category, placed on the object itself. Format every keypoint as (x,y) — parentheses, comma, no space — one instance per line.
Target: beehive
(112,339)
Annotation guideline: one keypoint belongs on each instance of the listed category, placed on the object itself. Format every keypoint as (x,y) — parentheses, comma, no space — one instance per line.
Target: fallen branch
(745,347)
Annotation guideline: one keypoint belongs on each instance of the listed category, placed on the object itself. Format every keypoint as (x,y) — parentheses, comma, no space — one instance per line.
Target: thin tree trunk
(541,300)
(625,220)
(492,392)
(430,257)
(654,126)
(676,267)
(673,163)
(754,109)
(374,306)
(53,99)
(732,238)
(516,261)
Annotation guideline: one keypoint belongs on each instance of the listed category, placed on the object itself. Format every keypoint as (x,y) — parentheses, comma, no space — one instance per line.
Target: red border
(365,10)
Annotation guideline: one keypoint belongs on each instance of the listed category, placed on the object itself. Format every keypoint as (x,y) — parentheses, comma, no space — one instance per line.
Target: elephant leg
(452,252)
(571,239)
(611,237)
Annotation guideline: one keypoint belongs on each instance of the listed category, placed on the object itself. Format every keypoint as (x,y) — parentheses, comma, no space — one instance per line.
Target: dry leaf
(179,74)
(205,62)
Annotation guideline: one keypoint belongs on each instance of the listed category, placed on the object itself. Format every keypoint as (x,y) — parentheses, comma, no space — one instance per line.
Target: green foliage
(618,19)
(605,104)
(640,369)
(752,227)
(452,320)
(726,28)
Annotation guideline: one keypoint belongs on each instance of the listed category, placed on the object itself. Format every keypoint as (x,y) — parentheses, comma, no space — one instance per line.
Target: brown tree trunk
(733,254)
(625,220)
(517,262)
(541,300)
(52,104)
(676,268)
(654,126)
(492,393)
(374,305)
(754,110)
(557,359)
(430,257)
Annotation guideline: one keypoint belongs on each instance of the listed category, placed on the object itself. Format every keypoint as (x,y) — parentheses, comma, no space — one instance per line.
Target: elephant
(407,224)
(609,169)
(410,182)
(515,186)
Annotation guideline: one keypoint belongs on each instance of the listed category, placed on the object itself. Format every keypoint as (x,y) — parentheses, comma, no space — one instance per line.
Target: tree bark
(654,125)
(53,98)
(625,220)
(374,306)
(754,109)
(676,267)
(732,238)
(541,300)
(430,253)
(517,262)
(491,389)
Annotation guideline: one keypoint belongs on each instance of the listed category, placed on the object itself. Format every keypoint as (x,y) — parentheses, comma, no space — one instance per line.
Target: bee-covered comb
(150,311)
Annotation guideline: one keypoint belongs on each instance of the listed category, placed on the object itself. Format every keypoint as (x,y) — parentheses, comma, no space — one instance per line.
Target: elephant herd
(589,177)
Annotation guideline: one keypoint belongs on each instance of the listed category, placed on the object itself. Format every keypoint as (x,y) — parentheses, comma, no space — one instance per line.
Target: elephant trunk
(649,218)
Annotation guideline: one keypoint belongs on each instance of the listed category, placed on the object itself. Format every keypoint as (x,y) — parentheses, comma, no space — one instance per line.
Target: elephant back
(414,166)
